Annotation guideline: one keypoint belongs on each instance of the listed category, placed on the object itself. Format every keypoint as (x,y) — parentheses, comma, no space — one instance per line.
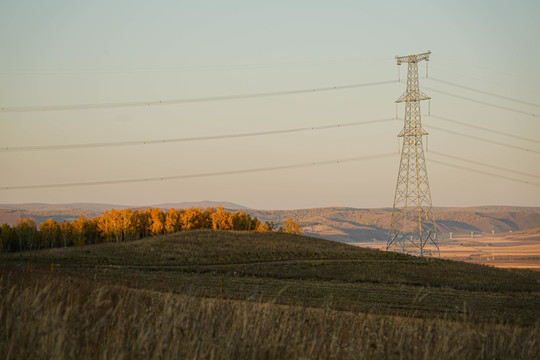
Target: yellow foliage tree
(267,226)
(173,223)
(291,226)
(157,221)
(222,219)
(50,233)
(85,231)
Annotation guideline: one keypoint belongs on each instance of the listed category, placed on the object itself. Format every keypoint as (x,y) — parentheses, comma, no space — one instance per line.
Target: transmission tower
(412,228)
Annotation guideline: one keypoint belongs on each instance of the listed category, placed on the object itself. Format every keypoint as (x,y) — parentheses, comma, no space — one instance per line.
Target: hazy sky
(80,52)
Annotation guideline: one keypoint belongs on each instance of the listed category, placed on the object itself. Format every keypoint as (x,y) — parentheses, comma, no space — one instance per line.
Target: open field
(520,249)
(221,294)
(51,316)
(296,270)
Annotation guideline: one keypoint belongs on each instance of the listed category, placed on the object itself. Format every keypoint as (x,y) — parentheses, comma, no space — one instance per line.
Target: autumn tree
(222,219)
(65,232)
(116,225)
(188,218)
(50,233)
(267,226)
(291,226)
(173,222)
(121,225)
(195,218)
(141,223)
(85,231)
(127,226)
(27,233)
(205,218)
(105,225)
(243,221)
(157,221)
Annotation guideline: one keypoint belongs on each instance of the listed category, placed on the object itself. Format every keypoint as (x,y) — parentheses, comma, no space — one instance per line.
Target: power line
(201,175)
(482,102)
(187,139)
(484,129)
(484,80)
(488,68)
(187,100)
(483,92)
(484,164)
(483,139)
(483,172)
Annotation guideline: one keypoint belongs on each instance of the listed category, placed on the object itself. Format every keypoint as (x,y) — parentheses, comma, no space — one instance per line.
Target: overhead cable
(483,92)
(483,164)
(200,175)
(483,172)
(187,100)
(482,102)
(483,139)
(188,139)
(485,129)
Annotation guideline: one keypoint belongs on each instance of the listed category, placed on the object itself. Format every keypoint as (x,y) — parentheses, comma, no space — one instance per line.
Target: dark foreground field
(207,294)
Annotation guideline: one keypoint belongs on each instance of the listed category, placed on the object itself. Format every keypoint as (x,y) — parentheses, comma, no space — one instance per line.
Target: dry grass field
(207,294)
(47,316)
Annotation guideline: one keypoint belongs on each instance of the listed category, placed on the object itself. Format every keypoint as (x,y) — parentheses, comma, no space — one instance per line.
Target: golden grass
(302,271)
(47,316)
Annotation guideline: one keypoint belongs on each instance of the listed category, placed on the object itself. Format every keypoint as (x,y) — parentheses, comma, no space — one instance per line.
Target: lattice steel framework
(412,228)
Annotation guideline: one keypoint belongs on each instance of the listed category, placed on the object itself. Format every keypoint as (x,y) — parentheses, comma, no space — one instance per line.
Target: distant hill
(200,204)
(70,206)
(332,223)
(11,213)
(371,225)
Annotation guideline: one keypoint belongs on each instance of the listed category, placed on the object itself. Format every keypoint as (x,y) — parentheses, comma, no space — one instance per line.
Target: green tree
(243,221)
(8,238)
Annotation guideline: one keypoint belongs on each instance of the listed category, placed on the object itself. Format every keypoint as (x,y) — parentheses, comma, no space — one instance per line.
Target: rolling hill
(332,223)
(299,270)
(368,225)
(197,294)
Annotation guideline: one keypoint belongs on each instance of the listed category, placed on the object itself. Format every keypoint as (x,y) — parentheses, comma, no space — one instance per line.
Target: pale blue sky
(74,52)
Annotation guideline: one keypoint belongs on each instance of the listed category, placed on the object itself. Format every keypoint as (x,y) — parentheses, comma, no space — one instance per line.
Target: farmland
(519,249)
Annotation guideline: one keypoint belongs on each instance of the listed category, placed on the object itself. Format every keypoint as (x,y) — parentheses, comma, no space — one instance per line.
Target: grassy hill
(299,270)
(206,294)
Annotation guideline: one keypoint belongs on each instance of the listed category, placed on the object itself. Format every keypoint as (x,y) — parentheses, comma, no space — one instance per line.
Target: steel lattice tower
(412,228)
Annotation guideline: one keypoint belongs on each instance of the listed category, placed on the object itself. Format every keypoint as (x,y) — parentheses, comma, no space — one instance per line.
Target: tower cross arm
(413,58)
(412,96)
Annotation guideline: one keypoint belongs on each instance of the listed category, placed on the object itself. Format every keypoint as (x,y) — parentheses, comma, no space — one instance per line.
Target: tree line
(127,225)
